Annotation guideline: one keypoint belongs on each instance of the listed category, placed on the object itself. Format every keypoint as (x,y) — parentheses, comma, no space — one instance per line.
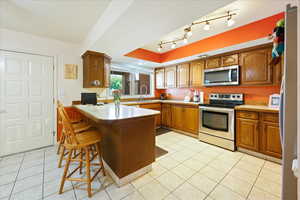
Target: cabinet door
(212,63)
(190,119)
(170,77)
(270,140)
(277,70)
(160,78)
(229,60)
(183,75)
(196,73)
(154,106)
(177,117)
(247,133)
(106,72)
(255,67)
(166,115)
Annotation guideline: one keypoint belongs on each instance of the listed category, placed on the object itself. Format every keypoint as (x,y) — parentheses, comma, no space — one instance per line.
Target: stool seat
(85,138)
(81,126)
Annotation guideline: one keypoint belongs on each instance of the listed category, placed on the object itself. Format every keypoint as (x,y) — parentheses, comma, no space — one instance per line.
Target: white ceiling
(247,12)
(66,20)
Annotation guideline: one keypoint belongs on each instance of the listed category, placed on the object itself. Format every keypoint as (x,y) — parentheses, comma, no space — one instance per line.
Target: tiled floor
(191,170)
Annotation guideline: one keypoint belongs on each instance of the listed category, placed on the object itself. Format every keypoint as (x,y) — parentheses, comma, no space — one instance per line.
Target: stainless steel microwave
(221,76)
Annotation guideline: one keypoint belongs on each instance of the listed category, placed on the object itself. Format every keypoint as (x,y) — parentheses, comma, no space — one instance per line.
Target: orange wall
(255,95)
(255,30)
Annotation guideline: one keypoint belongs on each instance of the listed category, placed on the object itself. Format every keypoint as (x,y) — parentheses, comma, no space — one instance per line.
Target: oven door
(217,122)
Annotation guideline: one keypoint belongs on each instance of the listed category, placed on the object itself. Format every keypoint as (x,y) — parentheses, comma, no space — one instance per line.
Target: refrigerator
(288,107)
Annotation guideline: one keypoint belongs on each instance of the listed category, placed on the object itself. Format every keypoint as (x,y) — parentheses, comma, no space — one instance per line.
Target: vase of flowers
(117,99)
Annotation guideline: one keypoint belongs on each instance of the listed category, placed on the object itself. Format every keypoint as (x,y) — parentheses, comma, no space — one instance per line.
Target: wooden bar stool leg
(65,172)
(62,139)
(98,147)
(81,161)
(62,154)
(88,171)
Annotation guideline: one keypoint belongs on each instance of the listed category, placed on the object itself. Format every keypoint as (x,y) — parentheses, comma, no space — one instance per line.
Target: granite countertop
(258,108)
(160,101)
(108,112)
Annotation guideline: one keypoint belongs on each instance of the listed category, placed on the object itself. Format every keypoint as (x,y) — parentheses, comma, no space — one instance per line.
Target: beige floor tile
(168,163)
(30,171)
(187,191)
(270,175)
(243,174)
(117,193)
(157,170)
(237,185)
(28,182)
(134,196)
(142,180)
(248,167)
(70,195)
(220,165)
(194,164)
(258,194)
(268,186)
(210,152)
(8,178)
(223,193)
(154,190)
(34,193)
(203,183)
(212,173)
(11,168)
(6,190)
(183,171)
(181,156)
(253,160)
(170,180)
(171,197)
(203,158)
(276,168)
(52,187)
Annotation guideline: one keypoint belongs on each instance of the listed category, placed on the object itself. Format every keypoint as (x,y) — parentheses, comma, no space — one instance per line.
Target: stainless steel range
(217,118)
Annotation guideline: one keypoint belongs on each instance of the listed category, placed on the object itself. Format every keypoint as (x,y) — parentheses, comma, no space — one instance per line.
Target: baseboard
(260,155)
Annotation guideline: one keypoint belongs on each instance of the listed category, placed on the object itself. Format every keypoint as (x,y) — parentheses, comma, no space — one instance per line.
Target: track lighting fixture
(188,31)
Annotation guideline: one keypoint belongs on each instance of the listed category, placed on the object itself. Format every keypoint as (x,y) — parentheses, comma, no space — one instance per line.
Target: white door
(26,102)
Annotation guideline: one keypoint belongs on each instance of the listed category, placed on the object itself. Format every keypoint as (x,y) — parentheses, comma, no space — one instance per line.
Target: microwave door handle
(229,75)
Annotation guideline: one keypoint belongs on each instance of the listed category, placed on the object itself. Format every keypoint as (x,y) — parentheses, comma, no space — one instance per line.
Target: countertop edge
(256,108)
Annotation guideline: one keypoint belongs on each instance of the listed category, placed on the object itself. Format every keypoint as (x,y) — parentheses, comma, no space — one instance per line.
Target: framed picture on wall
(70,71)
(274,101)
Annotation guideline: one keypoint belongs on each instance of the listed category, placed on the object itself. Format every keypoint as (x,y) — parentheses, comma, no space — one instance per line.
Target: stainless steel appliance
(217,118)
(222,76)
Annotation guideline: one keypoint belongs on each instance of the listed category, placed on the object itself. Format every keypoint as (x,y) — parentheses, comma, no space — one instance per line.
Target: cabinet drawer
(270,117)
(247,115)
(155,106)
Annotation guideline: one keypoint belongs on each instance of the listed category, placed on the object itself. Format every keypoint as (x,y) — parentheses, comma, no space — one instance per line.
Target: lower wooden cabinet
(166,117)
(247,133)
(258,131)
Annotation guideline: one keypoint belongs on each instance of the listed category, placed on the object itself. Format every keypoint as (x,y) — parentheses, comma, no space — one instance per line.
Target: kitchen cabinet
(96,66)
(229,60)
(166,117)
(212,62)
(185,118)
(154,106)
(247,133)
(160,78)
(259,131)
(255,67)
(170,76)
(196,73)
(277,70)
(183,75)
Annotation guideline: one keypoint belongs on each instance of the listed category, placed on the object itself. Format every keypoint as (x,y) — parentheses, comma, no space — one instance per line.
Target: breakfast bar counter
(128,139)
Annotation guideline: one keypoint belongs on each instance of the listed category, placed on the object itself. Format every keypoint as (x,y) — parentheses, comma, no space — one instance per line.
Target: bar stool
(78,126)
(85,142)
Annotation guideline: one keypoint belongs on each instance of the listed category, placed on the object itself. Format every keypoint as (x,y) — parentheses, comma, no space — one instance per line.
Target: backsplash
(254,95)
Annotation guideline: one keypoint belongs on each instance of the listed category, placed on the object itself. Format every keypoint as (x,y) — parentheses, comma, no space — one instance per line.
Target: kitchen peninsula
(128,139)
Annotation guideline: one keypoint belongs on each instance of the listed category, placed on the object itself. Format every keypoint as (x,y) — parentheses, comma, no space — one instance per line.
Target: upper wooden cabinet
(212,62)
(183,75)
(96,66)
(229,60)
(170,77)
(160,78)
(255,67)
(196,73)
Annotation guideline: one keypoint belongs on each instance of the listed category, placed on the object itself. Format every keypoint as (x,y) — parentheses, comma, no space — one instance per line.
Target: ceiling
(66,20)
(247,11)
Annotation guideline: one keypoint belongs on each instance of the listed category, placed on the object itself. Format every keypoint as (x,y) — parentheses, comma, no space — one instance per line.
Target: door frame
(55,89)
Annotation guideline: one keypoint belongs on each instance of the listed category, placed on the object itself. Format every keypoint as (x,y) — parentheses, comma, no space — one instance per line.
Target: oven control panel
(228,97)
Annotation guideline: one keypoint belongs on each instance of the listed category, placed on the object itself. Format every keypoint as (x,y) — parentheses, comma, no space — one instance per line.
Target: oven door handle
(217,109)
